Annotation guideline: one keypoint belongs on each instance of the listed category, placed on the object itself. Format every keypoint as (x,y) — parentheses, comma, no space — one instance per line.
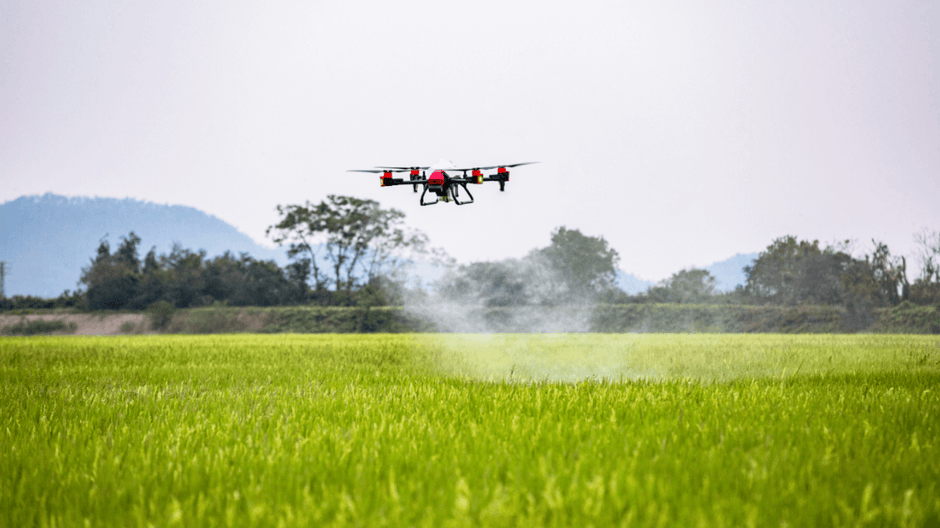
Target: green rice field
(470,430)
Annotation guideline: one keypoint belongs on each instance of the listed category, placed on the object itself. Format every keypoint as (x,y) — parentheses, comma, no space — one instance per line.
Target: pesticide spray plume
(531,358)
(514,321)
(509,296)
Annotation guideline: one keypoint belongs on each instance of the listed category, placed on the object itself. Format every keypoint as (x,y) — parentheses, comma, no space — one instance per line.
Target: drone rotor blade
(402,168)
(506,166)
(380,170)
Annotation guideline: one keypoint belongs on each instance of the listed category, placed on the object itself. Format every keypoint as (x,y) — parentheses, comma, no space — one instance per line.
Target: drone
(444,182)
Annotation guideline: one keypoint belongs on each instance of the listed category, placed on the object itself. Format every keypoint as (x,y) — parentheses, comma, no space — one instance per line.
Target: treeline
(347,251)
(574,269)
(361,247)
(791,284)
(185,278)
(68,299)
(793,272)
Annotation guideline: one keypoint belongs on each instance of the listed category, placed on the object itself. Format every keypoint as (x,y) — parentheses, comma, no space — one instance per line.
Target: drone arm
(502,177)
(391,182)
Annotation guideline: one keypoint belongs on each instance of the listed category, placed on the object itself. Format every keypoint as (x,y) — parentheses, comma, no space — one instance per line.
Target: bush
(908,318)
(216,319)
(161,312)
(39,326)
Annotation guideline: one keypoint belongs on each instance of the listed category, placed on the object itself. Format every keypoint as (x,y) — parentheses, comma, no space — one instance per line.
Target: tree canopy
(792,272)
(183,278)
(350,234)
(585,265)
(575,268)
(692,286)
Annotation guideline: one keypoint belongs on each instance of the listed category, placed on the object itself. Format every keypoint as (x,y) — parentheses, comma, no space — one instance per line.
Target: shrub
(39,326)
(161,312)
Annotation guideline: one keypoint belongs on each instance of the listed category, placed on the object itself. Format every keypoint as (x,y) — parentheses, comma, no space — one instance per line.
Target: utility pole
(3,276)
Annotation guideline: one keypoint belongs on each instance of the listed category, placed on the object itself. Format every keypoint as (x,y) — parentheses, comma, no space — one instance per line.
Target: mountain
(729,273)
(46,240)
(632,284)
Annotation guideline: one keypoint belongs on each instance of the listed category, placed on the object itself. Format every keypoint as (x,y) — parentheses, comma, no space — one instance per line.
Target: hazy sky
(682,131)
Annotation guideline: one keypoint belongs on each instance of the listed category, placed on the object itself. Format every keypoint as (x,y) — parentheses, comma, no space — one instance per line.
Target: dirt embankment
(86,324)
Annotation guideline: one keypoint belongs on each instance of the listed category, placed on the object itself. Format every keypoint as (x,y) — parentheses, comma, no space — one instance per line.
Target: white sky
(682,131)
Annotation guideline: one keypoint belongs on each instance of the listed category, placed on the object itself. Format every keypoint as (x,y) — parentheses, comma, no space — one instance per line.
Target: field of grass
(462,430)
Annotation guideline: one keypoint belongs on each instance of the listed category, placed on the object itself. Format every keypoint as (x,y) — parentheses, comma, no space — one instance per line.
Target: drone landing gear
(422,197)
(453,193)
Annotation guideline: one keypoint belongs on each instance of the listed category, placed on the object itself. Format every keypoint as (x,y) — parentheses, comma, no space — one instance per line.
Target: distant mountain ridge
(48,239)
(728,273)
(632,284)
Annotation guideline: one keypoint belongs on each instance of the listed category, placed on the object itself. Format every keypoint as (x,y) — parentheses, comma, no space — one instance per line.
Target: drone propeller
(496,166)
(508,166)
(403,168)
(379,171)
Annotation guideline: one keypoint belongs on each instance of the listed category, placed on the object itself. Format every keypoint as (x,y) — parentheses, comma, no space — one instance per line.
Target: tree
(154,282)
(298,274)
(573,269)
(185,267)
(185,278)
(859,294)
(586,266)
(126,255)
(819,278)
(356,234)
(113,280)
(693,286)
(504,283)
(890,274)
(926,288)
(775,274)
(3,273)
(300,227)
(792,272)
(265,284)
(223,277)
(929,250)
